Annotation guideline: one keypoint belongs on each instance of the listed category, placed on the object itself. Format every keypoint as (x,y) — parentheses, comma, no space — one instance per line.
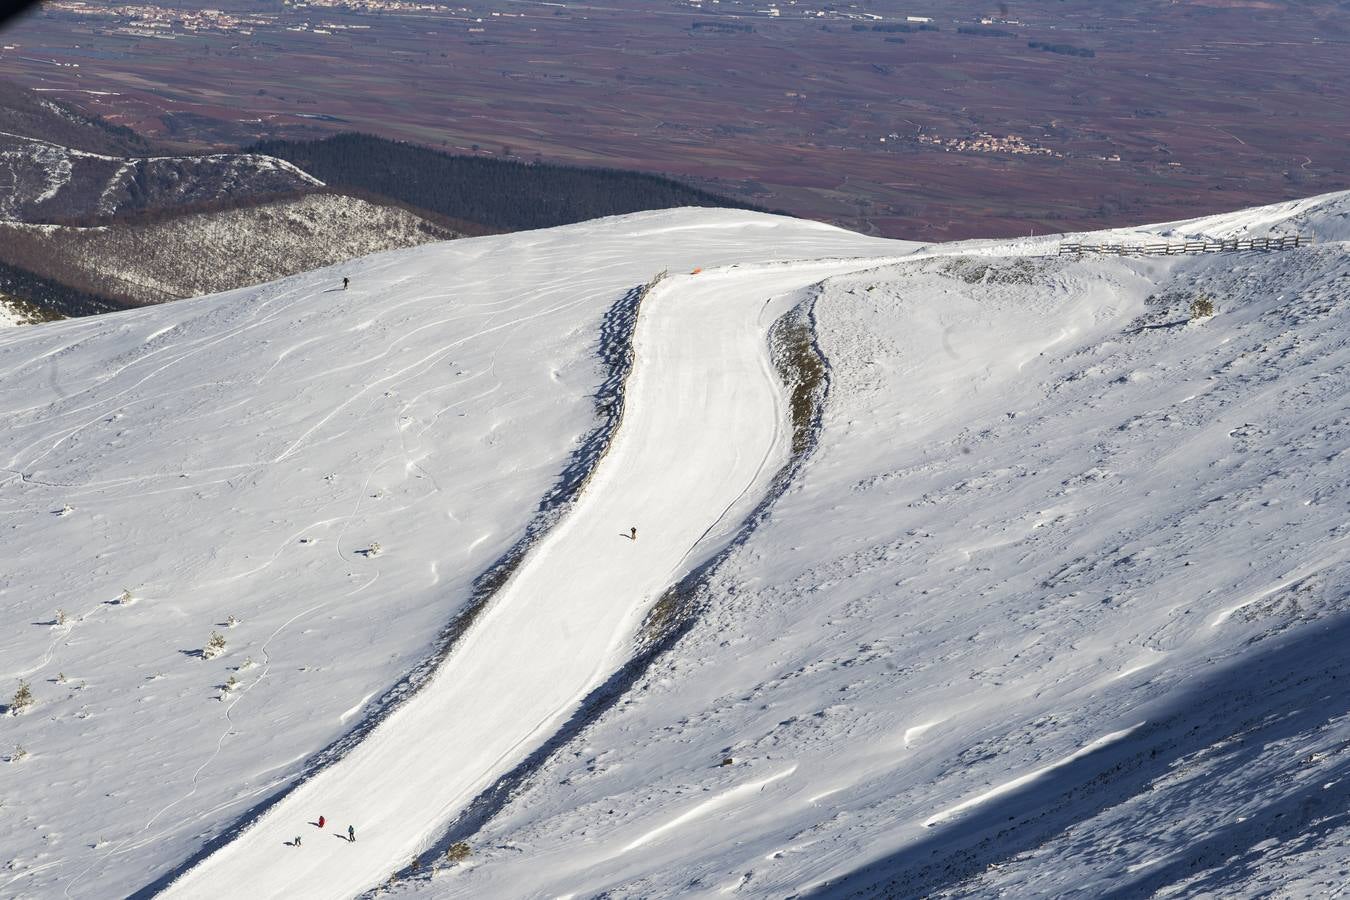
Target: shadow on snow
(1261,696)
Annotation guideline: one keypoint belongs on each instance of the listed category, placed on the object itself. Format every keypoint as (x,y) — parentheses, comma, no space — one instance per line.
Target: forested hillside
(133,263)
(28,114)
(499,193)
(42,297)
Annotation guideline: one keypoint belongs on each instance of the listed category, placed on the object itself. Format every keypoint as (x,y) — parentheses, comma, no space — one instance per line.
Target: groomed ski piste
(1051,606)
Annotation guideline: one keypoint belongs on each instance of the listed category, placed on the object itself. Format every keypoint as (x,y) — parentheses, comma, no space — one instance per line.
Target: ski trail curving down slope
(705,429)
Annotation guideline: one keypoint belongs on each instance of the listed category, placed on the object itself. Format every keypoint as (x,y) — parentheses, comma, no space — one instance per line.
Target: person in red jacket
(320,821)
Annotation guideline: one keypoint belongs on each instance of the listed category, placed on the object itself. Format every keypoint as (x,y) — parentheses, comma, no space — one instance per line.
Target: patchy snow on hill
(15,311)
(1053,602)
(47,181)
(9,314)
(206,253)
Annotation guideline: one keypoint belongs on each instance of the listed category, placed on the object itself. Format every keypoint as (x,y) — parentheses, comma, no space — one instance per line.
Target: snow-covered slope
(1325,217)
(1042,521)
(566,620)
(235,456)
(1055,606)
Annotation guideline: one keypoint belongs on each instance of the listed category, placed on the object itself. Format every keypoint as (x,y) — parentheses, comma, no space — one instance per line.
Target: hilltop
(960,570)
(107,220)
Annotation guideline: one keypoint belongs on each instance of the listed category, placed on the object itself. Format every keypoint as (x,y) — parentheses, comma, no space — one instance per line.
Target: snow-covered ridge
(1325,217)
(1060,555)
(46,180)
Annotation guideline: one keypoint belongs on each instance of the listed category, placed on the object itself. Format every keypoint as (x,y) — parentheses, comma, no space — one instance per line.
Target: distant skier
(321,821)
(351,834)
(297,840)
(345,281)
(632,534)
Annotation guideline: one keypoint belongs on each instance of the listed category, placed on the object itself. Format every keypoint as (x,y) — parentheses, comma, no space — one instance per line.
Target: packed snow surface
(704,431)
(235,458)
(1055,605)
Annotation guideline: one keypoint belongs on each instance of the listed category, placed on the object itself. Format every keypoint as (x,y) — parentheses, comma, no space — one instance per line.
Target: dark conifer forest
(502,194)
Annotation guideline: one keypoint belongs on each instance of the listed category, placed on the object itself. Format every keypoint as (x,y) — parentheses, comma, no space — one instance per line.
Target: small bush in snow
(18,754)
(458,852)
(123,598)
(62,617)
(215,645)
(231,685)
(375,549)
(231,621)
(1202,307)
(60,677)
(23,698)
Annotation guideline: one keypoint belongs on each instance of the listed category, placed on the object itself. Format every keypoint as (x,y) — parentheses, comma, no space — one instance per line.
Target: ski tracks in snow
(139,839)
(699,442)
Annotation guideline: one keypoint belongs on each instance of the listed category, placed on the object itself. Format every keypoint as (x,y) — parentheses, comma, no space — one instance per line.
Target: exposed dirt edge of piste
(616,356)
(802,366)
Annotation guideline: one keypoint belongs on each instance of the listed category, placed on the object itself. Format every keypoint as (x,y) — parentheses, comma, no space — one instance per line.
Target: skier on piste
(351,834)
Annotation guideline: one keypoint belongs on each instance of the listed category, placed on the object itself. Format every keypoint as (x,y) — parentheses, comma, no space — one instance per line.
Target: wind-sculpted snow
(702,435)
(1054,609)
(334,469)
(1054,606)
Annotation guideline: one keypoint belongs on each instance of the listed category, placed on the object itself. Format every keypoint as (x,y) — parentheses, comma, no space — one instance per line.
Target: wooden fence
(1233,245)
